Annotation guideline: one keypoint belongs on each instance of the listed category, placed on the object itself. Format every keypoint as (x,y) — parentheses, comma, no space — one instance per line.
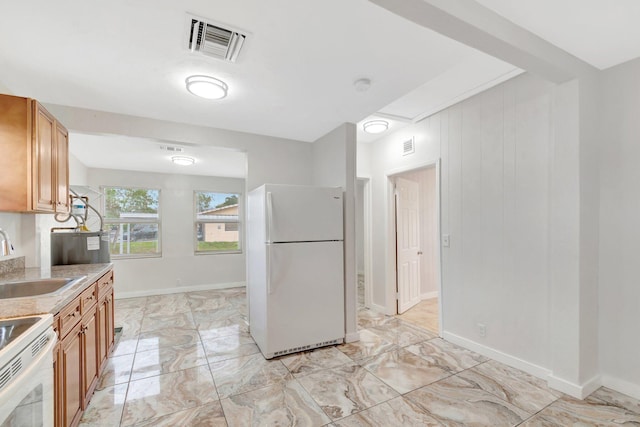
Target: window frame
(197,221)
(108,222)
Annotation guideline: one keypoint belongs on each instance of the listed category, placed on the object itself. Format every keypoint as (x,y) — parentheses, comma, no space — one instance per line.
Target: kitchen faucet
(7,247)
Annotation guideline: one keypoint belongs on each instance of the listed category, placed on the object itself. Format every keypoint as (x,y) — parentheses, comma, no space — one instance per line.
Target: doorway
(417,260)
(363,241)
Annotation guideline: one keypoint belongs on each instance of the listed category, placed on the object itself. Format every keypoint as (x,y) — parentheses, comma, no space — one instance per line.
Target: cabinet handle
(73,314)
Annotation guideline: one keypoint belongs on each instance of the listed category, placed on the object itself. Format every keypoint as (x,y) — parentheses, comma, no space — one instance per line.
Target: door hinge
(398,296)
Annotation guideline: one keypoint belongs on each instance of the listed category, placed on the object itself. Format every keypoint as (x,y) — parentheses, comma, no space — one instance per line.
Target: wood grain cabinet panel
(34,158)
(85,331)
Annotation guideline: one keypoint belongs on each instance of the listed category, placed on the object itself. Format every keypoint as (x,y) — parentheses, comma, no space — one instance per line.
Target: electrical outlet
(482,329)
(445,240)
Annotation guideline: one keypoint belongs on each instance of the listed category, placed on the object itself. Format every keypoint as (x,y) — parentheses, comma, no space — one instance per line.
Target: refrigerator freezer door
(305,294)
(303,214)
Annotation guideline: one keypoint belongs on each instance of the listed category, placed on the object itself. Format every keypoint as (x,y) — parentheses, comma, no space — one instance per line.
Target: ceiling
(295,75)
(603,33)
(140,154)
(293,79)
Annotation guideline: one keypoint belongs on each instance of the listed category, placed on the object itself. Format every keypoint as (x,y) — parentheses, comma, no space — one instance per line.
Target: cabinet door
(62,169)
(44,157)
(57,388)
(71,376)
(90,345)
(104,328)
(110,321)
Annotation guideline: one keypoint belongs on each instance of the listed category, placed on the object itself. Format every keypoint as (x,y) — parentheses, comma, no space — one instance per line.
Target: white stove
(26,371)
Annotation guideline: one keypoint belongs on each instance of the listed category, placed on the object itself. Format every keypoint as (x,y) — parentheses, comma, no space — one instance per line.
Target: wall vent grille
(214,40)
(172,149)
(408,147)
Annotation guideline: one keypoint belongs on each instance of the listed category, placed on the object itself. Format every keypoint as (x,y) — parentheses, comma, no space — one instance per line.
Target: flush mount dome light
(183,160)
(375,126)
(206,87)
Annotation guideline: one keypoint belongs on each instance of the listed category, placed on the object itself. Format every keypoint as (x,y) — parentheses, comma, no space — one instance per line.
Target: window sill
(135,256)
(217,252)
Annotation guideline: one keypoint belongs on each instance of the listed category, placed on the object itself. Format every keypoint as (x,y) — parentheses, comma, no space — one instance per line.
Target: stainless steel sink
(31,288)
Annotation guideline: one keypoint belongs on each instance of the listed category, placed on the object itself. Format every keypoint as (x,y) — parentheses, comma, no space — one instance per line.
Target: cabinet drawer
(69,316)
(88,298)
(105,283)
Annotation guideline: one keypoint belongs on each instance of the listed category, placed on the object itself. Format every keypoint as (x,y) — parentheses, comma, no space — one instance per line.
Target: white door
(408,243)
(303,214)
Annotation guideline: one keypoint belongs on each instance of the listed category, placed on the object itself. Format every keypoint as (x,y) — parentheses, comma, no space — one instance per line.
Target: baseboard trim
(429,295)
(168,291)
(622,386)
(352,337)
(507,359)
(573,389)
(380,309)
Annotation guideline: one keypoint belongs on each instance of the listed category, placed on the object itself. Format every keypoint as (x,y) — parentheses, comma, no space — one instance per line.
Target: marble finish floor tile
(163,305)
(117,371)
(568,411)
(396,412)
(138,303)
(167,359)
(400,333)
(207,300)
(368,318)
(346,390)
(370,344)
(243,374)
(512,385)
(125,346)
(615,398)
(229,347)
(160,322)
(168,393)
(208,415)
(232,324)
(130,327)
(106,407)
(283,404)
(168,337)
(447,356)
(456,402)
(307,362)
(402,370)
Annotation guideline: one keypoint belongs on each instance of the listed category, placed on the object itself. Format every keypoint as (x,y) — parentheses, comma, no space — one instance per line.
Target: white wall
(334,165)
(78,172)
(178,268)
(619,289)
(269,159)
(495,151)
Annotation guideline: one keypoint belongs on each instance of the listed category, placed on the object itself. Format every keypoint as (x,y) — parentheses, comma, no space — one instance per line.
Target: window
(217,223)
(132,218)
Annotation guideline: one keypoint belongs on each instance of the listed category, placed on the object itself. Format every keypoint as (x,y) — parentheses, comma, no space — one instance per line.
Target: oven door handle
(34,366)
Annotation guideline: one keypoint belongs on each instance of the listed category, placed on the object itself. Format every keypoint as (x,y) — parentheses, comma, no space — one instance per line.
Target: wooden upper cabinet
(34,158)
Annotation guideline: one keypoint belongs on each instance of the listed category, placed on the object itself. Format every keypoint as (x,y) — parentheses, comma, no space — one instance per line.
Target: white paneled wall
(495,166)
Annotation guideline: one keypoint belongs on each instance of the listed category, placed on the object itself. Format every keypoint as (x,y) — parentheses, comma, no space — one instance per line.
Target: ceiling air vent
(408,147)
(172,149)
(215,41)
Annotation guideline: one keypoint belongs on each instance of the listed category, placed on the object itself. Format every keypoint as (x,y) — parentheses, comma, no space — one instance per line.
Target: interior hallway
(424,315)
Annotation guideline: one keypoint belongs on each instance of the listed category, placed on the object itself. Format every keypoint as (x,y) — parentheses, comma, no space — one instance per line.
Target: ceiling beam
(472,24)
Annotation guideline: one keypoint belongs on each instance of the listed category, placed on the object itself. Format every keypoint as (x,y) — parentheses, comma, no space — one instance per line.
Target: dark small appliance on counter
(79,247)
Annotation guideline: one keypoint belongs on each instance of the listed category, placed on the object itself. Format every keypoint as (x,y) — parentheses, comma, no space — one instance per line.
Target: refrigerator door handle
(269,216)
(268,270)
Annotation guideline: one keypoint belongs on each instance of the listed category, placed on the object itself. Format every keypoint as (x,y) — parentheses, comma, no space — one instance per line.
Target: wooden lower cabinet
(82,352)
(71,396)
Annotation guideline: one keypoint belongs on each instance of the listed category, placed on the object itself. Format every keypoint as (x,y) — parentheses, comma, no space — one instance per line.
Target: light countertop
(51,303)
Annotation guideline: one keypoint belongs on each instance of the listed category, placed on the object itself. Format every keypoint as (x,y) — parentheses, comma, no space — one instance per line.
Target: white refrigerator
(295,274)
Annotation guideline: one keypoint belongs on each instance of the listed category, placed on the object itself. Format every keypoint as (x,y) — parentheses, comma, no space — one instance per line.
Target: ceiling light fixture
(375,126)
(206,87)
(183,160)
